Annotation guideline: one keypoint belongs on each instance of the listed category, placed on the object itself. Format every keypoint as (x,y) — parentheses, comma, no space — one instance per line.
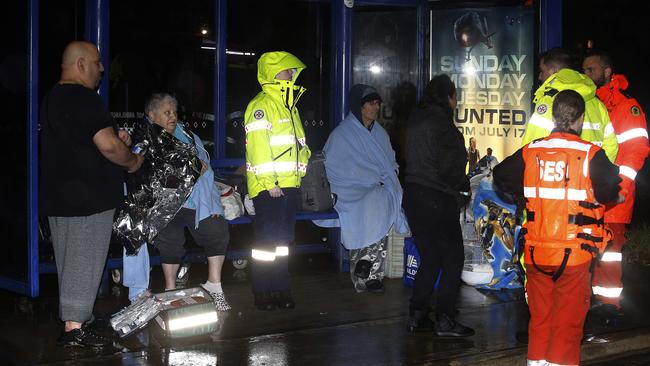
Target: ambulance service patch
(259,114)
(541,109)
(635,111)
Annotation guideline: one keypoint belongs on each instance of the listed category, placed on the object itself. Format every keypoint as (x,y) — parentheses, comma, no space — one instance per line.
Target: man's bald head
(74,50)
(81,64)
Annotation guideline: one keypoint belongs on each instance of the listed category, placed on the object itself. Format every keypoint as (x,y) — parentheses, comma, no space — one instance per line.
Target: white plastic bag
(231,201)
(248,203)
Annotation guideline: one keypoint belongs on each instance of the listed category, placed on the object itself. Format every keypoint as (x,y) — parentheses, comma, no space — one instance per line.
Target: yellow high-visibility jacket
(597,128)
(276,148)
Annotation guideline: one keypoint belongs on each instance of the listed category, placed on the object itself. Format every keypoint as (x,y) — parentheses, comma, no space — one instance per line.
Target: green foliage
(637,249)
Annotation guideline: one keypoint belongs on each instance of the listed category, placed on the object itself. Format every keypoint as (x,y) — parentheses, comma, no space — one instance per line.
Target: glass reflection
(153,49)
(191,358)
(267,353)
(304,31)
(384,56)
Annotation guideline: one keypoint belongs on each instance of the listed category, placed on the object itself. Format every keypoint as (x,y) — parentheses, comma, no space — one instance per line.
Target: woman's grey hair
(156,100)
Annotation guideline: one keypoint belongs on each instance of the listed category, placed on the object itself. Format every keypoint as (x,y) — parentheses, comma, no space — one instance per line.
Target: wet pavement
(331,325)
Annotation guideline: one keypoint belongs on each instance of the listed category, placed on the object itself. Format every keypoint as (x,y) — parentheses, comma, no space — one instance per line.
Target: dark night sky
(623,29)
(619,27)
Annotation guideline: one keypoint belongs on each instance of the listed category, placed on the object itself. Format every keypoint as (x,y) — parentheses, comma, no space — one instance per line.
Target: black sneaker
(448,327)
(82,337)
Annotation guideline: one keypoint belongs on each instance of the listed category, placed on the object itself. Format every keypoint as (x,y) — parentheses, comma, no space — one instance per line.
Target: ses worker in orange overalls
(565,181)
(630,127)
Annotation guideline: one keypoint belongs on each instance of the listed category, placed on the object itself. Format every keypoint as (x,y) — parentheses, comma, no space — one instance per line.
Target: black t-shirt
(75,178)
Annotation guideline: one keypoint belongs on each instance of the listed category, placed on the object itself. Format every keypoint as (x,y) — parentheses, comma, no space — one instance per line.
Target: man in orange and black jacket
(630,127)
(564,180)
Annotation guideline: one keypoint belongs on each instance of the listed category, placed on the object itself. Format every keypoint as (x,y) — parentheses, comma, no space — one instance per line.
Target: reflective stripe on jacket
(276,148)
(596,128)
(562,210)
(629,123)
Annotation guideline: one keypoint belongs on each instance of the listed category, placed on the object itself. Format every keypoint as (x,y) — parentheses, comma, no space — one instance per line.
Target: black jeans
(274,223)
(434,220)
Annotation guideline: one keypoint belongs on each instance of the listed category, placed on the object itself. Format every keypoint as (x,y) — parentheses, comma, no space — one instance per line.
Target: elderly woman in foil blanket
(176,190)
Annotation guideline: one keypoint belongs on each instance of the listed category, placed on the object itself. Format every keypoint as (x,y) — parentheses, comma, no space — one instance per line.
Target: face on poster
(488,54)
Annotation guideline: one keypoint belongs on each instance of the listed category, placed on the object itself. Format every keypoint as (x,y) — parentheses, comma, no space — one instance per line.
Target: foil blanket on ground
(137,315)
(178,303)
(159,188)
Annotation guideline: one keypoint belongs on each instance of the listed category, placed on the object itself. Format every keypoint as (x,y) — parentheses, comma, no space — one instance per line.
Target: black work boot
(448,327)
(283,299)
(419,321)
(264,301)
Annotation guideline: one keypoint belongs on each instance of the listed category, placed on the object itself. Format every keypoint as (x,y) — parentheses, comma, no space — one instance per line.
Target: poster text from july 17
(491,92)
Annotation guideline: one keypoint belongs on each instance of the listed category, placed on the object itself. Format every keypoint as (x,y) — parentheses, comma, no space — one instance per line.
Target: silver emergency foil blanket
(147,305)
(137,315)
(158,190)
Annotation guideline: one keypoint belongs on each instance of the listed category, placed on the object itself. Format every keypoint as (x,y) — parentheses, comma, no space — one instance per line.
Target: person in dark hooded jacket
(436,188)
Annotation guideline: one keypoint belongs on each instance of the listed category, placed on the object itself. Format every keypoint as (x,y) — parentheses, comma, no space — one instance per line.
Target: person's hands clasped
(276,192)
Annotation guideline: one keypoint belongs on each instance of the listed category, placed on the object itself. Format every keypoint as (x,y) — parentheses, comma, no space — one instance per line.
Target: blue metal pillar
(220,62)
(422,69)
(341,63)
(341,59)
(32,285)
(550,24)
(97,31)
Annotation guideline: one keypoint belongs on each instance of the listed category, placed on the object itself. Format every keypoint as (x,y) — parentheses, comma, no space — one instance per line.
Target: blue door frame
(97,31)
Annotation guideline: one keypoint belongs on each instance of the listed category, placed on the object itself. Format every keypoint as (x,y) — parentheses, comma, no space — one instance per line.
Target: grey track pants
(80,250)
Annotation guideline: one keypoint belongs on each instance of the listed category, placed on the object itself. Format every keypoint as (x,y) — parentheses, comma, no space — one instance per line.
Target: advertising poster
(488,54)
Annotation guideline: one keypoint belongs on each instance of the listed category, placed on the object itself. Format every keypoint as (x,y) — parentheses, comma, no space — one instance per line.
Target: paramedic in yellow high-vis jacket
(556,76)
(276,160)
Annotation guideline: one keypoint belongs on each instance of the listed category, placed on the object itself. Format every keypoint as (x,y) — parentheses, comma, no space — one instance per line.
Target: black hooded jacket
(435,151)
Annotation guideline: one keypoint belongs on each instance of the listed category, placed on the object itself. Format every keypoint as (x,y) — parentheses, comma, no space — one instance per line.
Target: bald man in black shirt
(82,164)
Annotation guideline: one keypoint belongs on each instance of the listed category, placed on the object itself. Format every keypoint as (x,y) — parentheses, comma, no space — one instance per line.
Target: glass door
(386,53)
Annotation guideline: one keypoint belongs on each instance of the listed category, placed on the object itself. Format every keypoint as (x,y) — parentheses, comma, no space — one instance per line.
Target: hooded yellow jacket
(276,148)
(596,128)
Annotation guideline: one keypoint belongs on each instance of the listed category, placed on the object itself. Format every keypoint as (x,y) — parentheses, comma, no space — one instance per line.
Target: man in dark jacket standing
(436,187)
